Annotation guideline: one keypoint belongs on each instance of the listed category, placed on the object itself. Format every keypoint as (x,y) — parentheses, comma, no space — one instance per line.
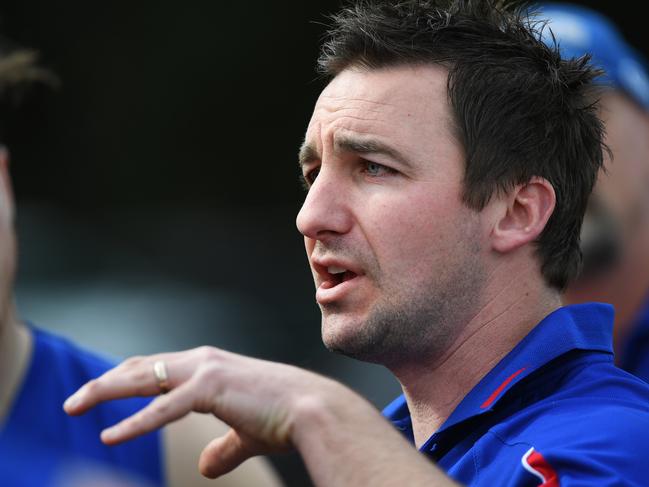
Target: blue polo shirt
(554,411)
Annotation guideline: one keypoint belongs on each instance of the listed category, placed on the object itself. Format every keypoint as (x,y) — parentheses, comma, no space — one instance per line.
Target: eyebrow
(308,153)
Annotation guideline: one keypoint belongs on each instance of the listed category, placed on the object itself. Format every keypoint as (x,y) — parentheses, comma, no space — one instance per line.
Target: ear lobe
(529,207)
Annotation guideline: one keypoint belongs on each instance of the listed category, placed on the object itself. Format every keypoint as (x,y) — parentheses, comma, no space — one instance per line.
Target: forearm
(344,441)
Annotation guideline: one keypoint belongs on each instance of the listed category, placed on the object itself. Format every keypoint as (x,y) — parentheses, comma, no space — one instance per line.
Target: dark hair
(521,111)
(19,72)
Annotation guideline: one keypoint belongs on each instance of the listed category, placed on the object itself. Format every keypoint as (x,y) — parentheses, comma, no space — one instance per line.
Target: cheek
(425,236)
(408,232)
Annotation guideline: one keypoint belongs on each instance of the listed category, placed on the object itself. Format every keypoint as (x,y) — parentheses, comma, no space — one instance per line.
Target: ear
(523,217)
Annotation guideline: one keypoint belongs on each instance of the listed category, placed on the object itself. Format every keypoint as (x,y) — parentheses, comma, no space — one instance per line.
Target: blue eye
(373,169)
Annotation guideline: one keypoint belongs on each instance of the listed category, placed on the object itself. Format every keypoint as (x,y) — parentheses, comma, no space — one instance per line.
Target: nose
(326,209)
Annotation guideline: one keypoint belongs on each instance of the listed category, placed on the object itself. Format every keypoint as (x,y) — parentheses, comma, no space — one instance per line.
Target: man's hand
(270,407)
(258,399)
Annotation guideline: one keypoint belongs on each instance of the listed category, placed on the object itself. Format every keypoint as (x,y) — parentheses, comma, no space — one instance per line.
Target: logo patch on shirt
(538,466)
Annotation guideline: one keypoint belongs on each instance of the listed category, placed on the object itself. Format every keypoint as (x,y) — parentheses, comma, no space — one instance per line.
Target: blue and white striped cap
(579,30)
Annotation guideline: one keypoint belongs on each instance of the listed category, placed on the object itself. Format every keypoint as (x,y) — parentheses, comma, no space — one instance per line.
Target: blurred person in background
(615,235)
(448,162)
(39,444)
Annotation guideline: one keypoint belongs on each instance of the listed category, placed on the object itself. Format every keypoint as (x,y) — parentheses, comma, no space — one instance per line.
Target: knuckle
(207,353)
(160,408)
(93,387)
(209,371)
(133,361)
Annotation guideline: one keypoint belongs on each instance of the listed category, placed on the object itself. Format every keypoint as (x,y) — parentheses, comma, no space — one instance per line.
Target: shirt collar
(577,327)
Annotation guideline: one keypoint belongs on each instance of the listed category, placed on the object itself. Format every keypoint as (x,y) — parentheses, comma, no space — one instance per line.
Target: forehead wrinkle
(367,145)
(354,122)
(341,104)
(355,99)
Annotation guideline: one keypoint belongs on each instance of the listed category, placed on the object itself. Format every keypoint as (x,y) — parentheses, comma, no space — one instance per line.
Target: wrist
(329,413)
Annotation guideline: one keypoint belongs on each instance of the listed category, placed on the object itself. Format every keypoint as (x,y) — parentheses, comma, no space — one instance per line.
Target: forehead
(402,105)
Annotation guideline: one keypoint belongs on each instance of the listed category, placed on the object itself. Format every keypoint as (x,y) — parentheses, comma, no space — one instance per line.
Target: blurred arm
(183,442)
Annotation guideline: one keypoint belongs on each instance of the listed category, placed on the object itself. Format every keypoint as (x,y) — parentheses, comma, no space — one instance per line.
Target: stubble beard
(414,324)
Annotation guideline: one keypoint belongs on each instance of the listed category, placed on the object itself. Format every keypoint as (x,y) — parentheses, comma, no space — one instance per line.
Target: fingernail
(109,433)
(70,402)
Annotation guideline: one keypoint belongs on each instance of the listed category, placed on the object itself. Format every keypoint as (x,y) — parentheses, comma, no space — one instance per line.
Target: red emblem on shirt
(538,466)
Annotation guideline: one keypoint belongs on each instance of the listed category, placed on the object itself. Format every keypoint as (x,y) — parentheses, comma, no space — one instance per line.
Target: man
(39,444)
(448,164)
(615,237)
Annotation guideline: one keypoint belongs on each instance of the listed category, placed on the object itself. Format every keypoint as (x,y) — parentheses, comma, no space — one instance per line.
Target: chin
(354,339)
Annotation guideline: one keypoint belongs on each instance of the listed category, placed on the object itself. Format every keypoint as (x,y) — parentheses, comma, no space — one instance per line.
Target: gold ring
(160,372)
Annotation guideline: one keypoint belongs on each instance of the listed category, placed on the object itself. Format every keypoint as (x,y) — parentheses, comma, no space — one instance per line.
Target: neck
(15,350)
(434,389)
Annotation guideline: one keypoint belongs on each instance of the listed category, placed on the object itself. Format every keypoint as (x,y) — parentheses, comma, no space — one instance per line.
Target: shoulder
(592,405)
(73,365)
(595,428)
(37,422)
(64,356)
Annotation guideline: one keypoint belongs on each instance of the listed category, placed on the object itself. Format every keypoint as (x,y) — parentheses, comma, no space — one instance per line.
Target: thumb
(223,454)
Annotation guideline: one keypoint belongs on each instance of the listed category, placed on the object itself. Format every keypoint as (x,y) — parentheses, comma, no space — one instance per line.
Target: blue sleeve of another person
(41,445)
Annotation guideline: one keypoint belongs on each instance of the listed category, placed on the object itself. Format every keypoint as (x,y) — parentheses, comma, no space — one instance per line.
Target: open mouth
(333,281)
(339,275)
(333,276)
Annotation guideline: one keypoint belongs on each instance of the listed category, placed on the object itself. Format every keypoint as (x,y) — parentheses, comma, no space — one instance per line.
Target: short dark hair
(19,71)
(520,110)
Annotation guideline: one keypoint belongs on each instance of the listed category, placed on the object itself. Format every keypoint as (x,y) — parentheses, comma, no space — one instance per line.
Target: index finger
(133,377)
(160,411)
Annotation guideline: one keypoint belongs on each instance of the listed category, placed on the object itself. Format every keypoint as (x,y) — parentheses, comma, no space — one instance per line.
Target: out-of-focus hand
(260,400)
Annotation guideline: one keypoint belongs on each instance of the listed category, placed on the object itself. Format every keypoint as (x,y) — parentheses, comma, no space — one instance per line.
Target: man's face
(621,191)
(396,256)
(7,236)
(615,235)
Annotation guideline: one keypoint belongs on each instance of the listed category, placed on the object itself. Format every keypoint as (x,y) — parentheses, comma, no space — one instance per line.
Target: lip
(329,292)
(329,287)
(320,265)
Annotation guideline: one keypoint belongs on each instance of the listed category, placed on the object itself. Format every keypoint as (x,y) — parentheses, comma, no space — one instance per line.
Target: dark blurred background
(157,186)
